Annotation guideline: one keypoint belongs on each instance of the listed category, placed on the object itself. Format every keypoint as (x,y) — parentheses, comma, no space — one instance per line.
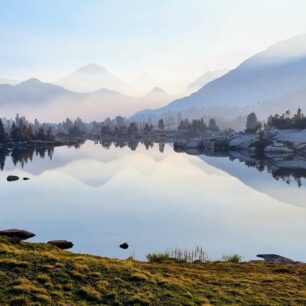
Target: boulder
(207,144)
(124,246)
(12,178)
(242,141)
(193,144)
(277,148)
(17,234)
(61,244)
(179,144)
(273,258)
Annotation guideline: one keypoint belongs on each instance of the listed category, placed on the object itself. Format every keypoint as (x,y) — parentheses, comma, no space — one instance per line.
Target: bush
(158,257)
(235,258)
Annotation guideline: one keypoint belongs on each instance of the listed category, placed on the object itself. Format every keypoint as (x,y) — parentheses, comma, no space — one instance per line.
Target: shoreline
(41,274)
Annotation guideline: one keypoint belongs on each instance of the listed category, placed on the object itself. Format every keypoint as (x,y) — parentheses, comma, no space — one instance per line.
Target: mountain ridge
(264,76)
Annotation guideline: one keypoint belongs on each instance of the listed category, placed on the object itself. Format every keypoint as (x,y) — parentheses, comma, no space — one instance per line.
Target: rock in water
(124,246)
(17,233)
(26,178)
(12,178)
(273,258)
(62,244)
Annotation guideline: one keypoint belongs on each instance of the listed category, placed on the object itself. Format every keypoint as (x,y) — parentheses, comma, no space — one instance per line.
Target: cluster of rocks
(13,178)
(20,235)
(210,143)
(271,142)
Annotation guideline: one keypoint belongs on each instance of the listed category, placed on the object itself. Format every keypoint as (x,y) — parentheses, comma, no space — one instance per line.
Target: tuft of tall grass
(234,258)
(198,254)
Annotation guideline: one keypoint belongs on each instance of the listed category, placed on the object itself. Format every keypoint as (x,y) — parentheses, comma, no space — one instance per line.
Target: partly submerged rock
(179,144)
(62,244)
(12,178)
(26,178)
(124,246)
(17,233)
(277,148)
(273,258)
(193,144)
(242,141)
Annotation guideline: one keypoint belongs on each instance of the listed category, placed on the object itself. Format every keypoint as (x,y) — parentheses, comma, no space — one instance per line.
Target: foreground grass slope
(39,274)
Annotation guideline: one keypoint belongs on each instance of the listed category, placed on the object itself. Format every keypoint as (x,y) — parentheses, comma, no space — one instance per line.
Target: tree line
(284,121)
(21,130)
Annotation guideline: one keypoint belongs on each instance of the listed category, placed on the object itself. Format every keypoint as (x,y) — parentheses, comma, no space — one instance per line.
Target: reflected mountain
(104,193)
(274,176)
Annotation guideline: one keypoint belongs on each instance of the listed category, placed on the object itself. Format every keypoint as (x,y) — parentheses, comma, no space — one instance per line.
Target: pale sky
(169,39)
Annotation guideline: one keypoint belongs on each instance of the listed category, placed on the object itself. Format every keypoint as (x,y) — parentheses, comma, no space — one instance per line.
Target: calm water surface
(99,198)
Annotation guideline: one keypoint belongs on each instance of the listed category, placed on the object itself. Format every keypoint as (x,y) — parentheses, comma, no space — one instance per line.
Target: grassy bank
(39,274)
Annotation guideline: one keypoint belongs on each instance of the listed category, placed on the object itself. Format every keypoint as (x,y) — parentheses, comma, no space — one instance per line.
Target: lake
(154,199)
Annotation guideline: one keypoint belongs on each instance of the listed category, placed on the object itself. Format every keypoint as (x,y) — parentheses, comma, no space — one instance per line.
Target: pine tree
(252,124)
(2,132)
(161,124)
(212,125)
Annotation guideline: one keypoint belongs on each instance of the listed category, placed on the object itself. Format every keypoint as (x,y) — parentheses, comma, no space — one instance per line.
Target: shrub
(234,258)
(158,257)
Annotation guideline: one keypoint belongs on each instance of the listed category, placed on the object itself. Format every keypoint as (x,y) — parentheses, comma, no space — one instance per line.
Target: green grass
(39,274)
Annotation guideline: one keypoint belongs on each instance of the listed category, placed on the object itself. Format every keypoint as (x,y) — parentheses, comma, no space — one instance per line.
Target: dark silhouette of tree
(2,132)
(41,134)
(49,135)
(161,147)
(3,154)
(212,125)
(148,128)
(285,121)
(252,124)
(184,125)
(132,129)
(161,124)
(106,130)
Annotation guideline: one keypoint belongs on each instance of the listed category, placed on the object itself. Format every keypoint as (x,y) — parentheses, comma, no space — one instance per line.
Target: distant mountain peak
(92,68)
(31,80)
(89,78)
(157,90)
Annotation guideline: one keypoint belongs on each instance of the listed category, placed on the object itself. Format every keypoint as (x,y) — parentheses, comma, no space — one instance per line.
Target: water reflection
(290,169)
(153,199)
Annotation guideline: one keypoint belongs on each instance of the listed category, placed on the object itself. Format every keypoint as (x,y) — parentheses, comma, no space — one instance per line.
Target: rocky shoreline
(270,142)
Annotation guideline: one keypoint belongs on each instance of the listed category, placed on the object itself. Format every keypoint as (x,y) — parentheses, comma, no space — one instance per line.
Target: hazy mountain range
(271,81)
(274,77)
(91,92)
(34,98)
(91,77)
